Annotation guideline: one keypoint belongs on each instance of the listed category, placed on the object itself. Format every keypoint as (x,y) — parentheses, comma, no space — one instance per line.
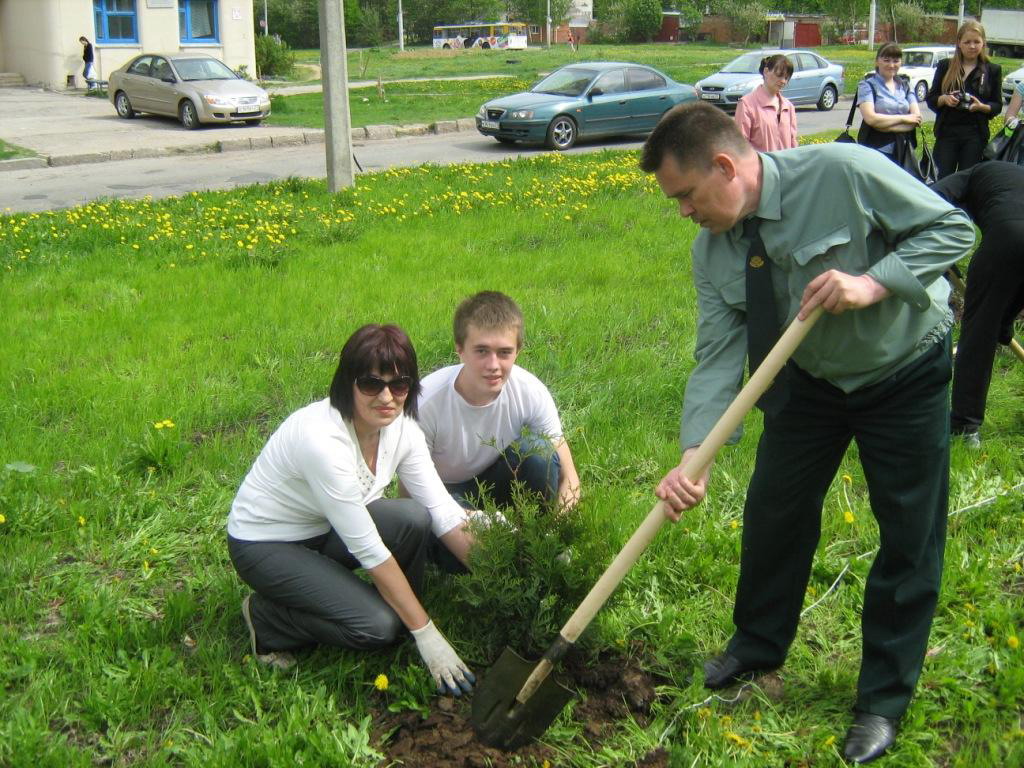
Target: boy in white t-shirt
(490,424)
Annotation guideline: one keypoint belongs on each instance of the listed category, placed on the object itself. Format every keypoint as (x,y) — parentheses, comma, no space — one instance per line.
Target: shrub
(273,57)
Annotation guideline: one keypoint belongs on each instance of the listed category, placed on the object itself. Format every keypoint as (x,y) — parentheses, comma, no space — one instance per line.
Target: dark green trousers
(901,426)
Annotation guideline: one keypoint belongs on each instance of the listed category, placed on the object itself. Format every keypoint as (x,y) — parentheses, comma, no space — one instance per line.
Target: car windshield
(917,58)
(748,63)
(570,81)
(203,69)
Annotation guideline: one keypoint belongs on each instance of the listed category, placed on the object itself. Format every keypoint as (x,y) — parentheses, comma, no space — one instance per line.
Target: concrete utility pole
(401,28)
(547,27)
(334,68)
(960,16)
(871,27)
(266,19)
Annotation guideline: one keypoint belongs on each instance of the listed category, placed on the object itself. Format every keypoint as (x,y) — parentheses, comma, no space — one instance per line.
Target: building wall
(39,38)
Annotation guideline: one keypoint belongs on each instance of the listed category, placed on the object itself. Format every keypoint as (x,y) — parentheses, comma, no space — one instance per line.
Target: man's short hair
(488,311)
(692,133)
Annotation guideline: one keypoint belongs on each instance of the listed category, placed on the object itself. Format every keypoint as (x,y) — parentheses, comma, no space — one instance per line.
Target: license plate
(710,96)
(492,124)
(246,108)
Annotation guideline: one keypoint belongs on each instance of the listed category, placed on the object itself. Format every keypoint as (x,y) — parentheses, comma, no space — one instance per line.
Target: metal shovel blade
(502,722)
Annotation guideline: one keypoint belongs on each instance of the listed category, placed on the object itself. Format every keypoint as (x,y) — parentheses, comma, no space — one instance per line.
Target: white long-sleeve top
(311,476)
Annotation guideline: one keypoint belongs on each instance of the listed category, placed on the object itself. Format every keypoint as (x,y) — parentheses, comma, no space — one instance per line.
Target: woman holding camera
(965,95)
(311,511)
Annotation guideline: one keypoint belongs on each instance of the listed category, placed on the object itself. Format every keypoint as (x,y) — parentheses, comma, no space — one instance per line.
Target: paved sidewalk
(69,128)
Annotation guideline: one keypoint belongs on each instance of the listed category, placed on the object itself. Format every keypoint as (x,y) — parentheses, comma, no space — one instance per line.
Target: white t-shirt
(311,476)
(465,439)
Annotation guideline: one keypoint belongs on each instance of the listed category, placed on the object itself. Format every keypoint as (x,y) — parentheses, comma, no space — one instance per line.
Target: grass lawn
(151,348)
(686,63)
(402,103)
(10,151)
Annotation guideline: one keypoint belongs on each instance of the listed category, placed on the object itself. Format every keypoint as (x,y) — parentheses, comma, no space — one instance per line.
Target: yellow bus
(487,34)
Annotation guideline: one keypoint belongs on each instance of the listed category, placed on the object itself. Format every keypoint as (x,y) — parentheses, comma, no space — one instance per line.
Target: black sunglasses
(372,386)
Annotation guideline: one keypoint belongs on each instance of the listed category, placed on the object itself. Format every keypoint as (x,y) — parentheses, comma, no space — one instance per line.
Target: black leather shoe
(869,737)
(725,670)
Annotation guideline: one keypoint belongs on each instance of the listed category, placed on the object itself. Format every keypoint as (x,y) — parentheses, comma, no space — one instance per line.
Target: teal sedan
(585,100)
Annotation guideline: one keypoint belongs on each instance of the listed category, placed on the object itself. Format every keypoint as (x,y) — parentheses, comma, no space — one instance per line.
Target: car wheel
(828,98)
(561,133)
(123,106)
(921,92)
(187,115)
(446,47)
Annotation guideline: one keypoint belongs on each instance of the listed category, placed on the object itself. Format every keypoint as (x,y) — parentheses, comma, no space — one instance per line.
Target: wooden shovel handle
(693,469)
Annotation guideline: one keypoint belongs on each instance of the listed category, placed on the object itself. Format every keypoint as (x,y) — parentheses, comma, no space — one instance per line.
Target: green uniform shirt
(830,206)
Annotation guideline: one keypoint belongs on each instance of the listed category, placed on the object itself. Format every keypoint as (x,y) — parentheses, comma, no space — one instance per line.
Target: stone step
(11,80)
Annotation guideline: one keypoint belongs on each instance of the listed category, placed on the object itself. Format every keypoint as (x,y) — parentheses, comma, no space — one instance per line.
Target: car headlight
(741,86)
(521,114)
(215,100)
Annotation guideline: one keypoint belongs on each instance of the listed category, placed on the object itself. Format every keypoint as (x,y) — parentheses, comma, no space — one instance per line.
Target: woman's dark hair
(380,349)
(889,51)
(779,64)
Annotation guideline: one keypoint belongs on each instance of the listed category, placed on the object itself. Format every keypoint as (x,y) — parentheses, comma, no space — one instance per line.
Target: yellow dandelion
(1013,642)
(736,739)
(153,550)
(829,741)
(3,519)
(734,524)
(145,565)
(381,682)
(81,520)
(158,425)
(848,516)
(546,764)
(847,479)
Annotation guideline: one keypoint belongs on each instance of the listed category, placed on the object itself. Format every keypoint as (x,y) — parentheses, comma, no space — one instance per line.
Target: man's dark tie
(762,317)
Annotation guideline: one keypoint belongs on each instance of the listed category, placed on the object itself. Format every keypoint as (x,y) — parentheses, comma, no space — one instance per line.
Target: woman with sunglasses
(311,511)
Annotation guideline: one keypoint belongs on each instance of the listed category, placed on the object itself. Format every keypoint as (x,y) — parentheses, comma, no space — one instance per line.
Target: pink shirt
(766,127)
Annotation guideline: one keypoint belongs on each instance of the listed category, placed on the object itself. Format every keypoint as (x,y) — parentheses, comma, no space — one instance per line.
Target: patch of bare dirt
(611,690)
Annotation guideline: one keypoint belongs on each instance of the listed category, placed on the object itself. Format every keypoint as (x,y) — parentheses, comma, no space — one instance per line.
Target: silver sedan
(193,87)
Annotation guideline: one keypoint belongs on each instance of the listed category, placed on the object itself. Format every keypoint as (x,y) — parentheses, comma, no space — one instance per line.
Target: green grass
(11,151)
(686,63)
(401,103)
(120,637)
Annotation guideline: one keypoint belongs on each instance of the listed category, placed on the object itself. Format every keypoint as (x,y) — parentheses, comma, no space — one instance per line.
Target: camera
(964,102)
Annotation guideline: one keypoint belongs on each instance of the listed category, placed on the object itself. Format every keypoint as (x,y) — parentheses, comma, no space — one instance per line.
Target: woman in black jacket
(965,95)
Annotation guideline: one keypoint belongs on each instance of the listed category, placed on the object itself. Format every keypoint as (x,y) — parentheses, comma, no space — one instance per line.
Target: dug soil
(610,690)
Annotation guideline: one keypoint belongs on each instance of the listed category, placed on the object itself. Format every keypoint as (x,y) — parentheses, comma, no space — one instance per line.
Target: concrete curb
(311,136)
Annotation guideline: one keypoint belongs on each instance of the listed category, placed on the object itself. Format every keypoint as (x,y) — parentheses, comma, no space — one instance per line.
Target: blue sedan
(584,101)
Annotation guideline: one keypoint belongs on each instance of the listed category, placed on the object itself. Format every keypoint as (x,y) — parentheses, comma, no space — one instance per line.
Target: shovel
(516,700)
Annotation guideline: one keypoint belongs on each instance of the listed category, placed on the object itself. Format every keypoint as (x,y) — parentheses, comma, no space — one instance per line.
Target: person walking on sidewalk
(88,57)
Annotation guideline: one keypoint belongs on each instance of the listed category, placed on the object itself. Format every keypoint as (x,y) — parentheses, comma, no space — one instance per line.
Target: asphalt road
(44,189)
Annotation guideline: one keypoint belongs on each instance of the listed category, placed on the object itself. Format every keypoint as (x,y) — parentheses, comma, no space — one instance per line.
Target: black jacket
(985,83)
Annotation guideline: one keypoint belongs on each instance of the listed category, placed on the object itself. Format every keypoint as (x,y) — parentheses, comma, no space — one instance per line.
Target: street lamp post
(401,29)
(547,26)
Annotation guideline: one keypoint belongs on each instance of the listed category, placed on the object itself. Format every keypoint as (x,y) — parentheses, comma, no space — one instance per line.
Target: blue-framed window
(197,21)
(116,21)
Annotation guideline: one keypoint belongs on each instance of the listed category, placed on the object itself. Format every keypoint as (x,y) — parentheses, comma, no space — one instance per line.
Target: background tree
(911,23)
(748,19)
(534,11)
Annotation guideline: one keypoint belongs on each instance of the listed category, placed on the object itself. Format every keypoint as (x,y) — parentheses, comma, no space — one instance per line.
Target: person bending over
(782,233)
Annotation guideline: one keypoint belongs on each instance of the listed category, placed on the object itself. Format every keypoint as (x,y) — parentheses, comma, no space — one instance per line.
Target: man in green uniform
(783,233)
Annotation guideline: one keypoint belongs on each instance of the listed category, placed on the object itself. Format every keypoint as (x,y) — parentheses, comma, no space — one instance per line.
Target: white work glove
(1012,122)
(444,664)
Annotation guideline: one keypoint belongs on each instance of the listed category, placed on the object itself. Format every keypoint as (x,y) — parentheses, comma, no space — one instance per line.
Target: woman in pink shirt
(765,116)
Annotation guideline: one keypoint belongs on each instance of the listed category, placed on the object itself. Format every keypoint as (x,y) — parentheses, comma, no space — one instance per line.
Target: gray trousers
(307,594)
